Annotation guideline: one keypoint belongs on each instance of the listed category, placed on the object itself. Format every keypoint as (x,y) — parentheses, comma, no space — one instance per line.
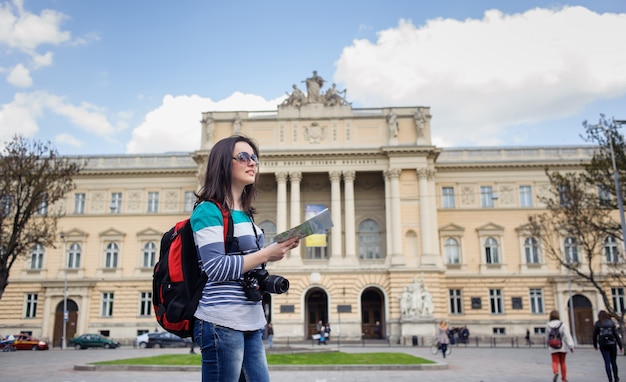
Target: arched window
(532,250)
(73,256)
(369,240)
(36,257)
(611,250)
(491,251)
(269,231)
(571,250)
(149,255)
(110,257)
(451,248)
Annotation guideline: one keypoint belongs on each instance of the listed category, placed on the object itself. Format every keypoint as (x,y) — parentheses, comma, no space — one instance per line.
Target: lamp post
(65,315)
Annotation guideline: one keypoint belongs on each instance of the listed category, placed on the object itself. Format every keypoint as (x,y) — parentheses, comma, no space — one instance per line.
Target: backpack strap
(228,225)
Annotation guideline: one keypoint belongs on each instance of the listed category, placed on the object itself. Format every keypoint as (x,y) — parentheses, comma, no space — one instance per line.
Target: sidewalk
(464,364)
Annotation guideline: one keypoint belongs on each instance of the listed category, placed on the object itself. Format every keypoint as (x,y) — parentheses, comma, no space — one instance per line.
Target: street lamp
(65,315)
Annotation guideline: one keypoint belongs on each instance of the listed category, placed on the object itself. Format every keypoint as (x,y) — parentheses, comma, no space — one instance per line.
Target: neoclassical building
(420,233)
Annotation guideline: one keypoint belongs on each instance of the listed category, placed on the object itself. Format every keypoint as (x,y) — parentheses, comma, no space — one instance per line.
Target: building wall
(350,161)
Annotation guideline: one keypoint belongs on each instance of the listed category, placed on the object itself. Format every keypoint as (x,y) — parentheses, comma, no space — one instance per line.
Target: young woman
(443,338)
(229,326)
(606,336)
(558,355)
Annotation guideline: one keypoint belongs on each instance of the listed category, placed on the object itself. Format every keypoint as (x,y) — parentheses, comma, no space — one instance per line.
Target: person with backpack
(229,324)
(606,337)
(559,342)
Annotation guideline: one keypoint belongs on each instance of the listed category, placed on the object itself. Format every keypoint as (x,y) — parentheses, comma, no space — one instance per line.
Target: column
(396,217)
(348,180)
(281,202)
(295,178)
(425,220)
(335,210)
(388,222)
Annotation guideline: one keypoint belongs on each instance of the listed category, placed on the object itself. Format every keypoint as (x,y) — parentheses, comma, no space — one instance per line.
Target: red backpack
(178,280)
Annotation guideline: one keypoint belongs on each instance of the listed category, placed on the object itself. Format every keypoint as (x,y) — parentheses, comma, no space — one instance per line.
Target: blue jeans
(609,354)
(230,355)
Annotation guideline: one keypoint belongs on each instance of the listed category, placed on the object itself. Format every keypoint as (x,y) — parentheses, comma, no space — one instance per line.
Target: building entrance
(316,310)
(372,305)
(582,323)
(72,318)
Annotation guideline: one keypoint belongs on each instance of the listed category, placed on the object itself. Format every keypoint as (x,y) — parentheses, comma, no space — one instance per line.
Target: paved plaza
(464,364)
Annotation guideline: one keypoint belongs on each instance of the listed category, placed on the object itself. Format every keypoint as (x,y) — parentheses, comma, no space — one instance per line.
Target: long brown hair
(218,176)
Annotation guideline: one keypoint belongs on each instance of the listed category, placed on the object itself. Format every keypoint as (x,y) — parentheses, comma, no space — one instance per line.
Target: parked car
(141,341)
(85,341)
(167,340)
(26,342)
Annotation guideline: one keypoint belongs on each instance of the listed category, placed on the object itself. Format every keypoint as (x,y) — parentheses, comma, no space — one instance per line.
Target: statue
(392,124)
(420,118)
(416,300)
(296,98)
(208,125)
(427,303)
(332,97)
(313,86)
(237,124)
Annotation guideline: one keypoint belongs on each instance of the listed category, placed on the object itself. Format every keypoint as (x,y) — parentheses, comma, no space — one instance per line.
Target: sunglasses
(244,158)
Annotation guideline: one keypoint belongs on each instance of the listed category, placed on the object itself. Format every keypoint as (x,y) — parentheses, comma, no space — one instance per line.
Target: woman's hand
(279,250)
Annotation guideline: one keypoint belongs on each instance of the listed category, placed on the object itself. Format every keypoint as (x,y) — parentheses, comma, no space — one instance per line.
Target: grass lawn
(327,358)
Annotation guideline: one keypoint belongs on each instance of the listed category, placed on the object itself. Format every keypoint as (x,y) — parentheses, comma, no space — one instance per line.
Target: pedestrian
(269,334)
(465,333)
(567,343)
(193,346)
(327,332)
(527,338)
(606,337)
(225,312)
(377,331)
(442,338)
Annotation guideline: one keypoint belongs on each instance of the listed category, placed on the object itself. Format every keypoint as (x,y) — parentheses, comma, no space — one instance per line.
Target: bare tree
(574,230)
(32,179)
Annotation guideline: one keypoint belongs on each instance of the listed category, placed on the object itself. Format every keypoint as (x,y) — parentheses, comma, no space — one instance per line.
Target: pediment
(150,232)
(490,227)
(112,232)
(451,227)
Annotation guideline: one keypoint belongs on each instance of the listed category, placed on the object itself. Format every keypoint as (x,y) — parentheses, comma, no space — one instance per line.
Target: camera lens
(276,284)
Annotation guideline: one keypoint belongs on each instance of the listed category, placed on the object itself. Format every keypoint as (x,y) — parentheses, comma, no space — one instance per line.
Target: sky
(126,77)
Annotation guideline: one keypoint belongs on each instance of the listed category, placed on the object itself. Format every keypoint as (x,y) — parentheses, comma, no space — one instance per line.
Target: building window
(269,231)
(153,202)
(369,240)
(491,251)
(110,256)
(107,304)
(79,203)
(145,304)
(190,201)
(604,195)
(564,195)
(447,197)
(42,208)
(36,257)
(456,301)
(618,299)
(536,301)
(486,197)
(116,202)
(451,248)
(611,250)
(571,250)
(149,255)
(6,204)
(73,256)
(525,196)
(495,301)
(499,330)
(531,248)
(30,310)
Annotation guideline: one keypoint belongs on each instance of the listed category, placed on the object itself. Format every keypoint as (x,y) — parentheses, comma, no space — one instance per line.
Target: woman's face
(245,165)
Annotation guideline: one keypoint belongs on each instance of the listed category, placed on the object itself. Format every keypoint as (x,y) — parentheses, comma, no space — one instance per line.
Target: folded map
(319,223)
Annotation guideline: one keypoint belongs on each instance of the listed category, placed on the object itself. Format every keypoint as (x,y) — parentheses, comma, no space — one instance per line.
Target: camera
(258,281)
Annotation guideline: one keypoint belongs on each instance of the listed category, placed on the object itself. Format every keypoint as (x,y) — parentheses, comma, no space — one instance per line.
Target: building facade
(420,233)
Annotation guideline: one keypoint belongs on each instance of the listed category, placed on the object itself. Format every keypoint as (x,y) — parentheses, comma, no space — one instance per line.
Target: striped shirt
(223,299)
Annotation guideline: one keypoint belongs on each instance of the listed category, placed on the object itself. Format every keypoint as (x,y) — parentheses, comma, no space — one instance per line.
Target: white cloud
(20,76)
(480,76)
(20,115)
(175,125)
(67,140)
(26,31)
